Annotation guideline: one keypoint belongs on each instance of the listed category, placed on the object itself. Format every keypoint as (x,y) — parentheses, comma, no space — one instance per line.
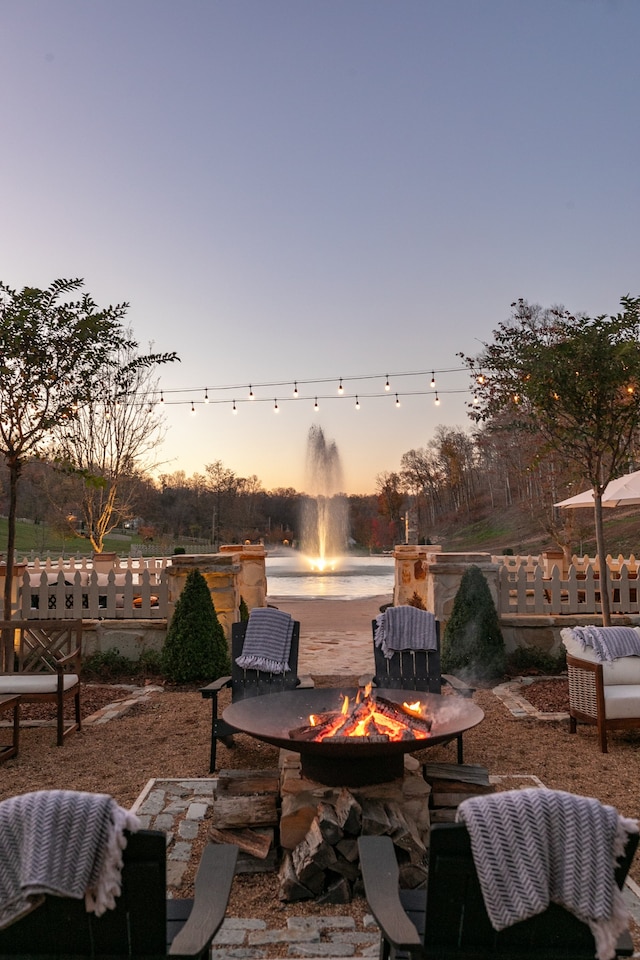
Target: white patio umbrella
(620,492)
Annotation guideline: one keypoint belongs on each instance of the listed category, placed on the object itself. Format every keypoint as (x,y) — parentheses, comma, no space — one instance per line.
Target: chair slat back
(40,644)
(253,683)
(408,669)
(62,928)
(457,921)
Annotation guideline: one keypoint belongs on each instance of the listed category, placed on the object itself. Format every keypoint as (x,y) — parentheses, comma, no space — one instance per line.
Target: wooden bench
(42,665)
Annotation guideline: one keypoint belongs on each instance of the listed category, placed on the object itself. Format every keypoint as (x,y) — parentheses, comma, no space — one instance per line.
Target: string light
(340,387)
(206,395)
(433,379)
(295,388)
(315,406)
(251,397)
(387,385)
(357,404)
(193,409)
(275,406)
(437,400)
(234,407)
(161,397)
(397,401)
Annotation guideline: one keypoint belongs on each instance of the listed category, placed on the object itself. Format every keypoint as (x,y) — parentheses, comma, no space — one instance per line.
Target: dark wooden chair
(449,918)
(417,670)
(143,924)
(45,666)
(249,683)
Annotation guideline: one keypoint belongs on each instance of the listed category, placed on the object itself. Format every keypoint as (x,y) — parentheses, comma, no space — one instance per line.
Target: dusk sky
(309,190)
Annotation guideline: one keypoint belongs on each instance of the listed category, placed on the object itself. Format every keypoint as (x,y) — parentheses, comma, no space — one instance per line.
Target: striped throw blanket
(61,842)
(536,846)
(609,643)
(405,628)
(267,642)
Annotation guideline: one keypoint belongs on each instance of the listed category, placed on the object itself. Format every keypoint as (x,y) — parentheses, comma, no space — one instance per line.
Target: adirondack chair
(249,683)
(143,924)
(46,666)
(417,670)
(449,919)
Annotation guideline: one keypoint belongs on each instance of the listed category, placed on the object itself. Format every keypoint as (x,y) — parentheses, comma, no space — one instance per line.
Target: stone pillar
(411,571)
(252,578)
(445,571)
(221,573)
(16,586)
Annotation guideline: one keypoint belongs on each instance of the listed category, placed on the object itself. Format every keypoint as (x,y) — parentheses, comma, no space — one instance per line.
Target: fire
(369,718)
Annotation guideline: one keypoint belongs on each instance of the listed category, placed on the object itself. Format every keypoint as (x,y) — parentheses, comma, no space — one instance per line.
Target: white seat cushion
(25,683)
(622,701)
(621,671)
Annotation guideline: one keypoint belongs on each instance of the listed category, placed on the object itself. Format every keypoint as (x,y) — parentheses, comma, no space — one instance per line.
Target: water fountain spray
(325,509)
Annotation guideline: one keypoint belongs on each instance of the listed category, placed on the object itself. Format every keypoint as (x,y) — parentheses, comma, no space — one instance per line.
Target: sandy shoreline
(335,635)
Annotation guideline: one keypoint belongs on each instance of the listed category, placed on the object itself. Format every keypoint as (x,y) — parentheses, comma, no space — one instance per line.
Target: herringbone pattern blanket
(405,628)
(609,643)
(267,642)
(61,842)
(532,847)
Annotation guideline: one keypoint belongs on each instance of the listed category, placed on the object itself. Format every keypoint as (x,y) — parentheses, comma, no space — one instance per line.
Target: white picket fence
(132,588)
(537,588)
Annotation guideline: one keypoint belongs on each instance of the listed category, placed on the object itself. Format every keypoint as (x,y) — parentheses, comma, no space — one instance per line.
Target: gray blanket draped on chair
(267,642)
(61,842)
(405,628)
(536,846)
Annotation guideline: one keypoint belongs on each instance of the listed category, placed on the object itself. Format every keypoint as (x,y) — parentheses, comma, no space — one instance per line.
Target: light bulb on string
(357,404)
(397,401)
(433,379)
(340,387)
(206,396)
(161,397)
(193,409)
(234,408)
(251,397)
(437,400)
(387,385)
(295,388)
(315,406)
(275,406)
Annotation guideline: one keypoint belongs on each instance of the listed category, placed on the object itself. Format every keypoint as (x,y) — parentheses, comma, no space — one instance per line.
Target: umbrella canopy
(620,492)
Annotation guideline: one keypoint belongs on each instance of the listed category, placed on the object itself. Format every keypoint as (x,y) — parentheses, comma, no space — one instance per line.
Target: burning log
(372,720)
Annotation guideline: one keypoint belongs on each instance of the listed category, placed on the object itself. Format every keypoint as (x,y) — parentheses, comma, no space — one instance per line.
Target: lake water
(289,577)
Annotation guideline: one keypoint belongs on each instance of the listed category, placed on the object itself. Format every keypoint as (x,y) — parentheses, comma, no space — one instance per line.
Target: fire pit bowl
(272,717)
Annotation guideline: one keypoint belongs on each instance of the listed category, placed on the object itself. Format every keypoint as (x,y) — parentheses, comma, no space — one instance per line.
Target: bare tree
(111,440)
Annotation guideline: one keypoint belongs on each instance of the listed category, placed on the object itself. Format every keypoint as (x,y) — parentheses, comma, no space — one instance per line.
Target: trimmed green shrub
(195,648)
(177,551)
(244,610)
(473,644)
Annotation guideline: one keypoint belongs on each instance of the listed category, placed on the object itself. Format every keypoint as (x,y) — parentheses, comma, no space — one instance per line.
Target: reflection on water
(289,576)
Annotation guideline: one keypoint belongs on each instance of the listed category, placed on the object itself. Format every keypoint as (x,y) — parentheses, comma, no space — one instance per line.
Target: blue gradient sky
(308,189)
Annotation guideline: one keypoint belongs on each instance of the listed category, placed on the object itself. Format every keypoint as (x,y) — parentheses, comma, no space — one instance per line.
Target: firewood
(374,817)
(348,849)
(256,842)
(405,834)
(252,811)
(412,875)
(313,848)
(248,864)
(297,815)
(349,812)
(290,887)
(240,782)
(328,823)
(345,868)
(337,892)
(395,711)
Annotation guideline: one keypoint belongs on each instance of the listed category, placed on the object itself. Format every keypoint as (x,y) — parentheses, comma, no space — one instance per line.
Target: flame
(368,718)
(413,707)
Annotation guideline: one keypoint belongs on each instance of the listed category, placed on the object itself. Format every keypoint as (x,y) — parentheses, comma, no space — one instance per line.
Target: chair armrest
(212,889)
(458,685)
(382,889)
(63,661)
(213,689)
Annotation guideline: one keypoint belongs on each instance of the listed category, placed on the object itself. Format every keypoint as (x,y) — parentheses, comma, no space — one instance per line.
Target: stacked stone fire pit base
(320,826)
